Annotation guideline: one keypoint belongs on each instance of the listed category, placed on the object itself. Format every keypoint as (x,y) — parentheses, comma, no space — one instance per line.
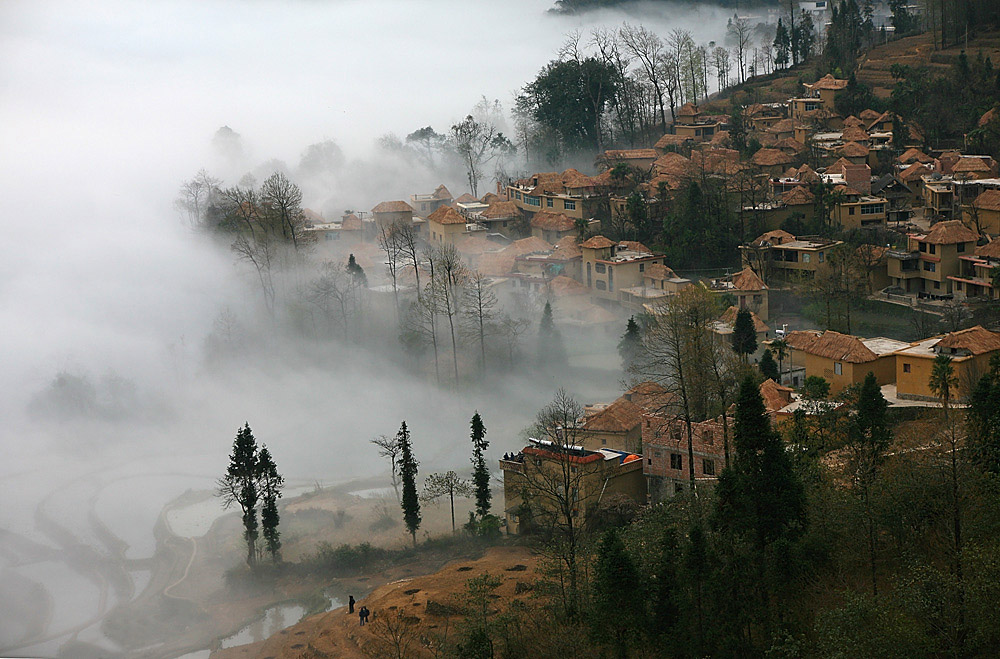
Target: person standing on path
(350,603)
(361,616)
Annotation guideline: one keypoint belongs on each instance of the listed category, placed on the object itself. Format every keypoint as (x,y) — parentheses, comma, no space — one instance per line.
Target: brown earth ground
(428,601)
(190,604)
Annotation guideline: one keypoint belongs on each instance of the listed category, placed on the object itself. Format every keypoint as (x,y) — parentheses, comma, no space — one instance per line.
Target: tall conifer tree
(408,474)
(480,472)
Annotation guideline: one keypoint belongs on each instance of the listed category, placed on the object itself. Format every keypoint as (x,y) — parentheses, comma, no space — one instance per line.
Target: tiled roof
(563,286)
(971,164)
(950,232)
(855,134)
(351,223)
(851,120)
(635,246)
(801,339)
(597,242)
(841,347)
(990,249)
(501,210)
(913,154)
(775,396)
(567,248)
(988,200)
(669,140)
(986,118)
(885,116)
(771,157)
(659,271)
(747,280)
(729,317)
(446,215)
(775,237)
(854,150)
(828,82)
(839,166)
(441,192)
(797,196)
(529,245)
(977,340)
(783,126)
(870,115)
(650,396)
(673,164)
(790,144)
(573,179)
(490,198)
(914,172)
(552,222)
(393,207)
(688,110)
(630,154)
(465,198)
(620,416)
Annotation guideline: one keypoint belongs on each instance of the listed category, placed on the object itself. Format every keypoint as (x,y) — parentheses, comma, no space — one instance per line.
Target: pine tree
(759,493)
(356,271)
(240,486)
(480,472)
(782,45)
(271,483)
(408,474)
(630,344)
(551,351)
(617,587)
(869,438)
(768,367)
(983,423)
(744,335)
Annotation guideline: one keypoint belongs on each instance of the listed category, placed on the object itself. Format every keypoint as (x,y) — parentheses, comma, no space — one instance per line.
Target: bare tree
(721,64)
(406,239)
(446,484)
(479,305)
(740,32)
(448,277)
(261,253)
(338,294)
(389,448)
(282,203)
(389,243)
(195,197)
(512,327)
(478,143)
(648,50)
(395,635)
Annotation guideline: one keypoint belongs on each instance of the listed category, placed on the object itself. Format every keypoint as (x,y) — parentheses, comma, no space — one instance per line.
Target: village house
(501,217)
(641,159)
(332,235)
(818,96)
(615,426)
(446,225)
(746,287)
(724,327)
(984,212)
(570,193)
(855,210)
(693,124)
(552,227)
(425,204)
(899,200)
(782,255)
(929,262)
(612,269)
(843,360)
(773,162)
(666,463)
(762,116)
(977,281)
(970,351)
(535,482)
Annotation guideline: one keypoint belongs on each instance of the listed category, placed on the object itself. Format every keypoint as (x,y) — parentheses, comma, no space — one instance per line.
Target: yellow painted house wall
(620,441)
(444,234)
(884,369)
(915,384)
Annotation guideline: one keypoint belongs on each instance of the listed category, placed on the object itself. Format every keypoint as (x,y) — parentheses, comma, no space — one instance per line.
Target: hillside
(917,51)
(430,603)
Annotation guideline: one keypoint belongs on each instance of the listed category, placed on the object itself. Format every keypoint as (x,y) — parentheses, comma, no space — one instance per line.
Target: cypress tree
(408,474)
(480,473)
(630,343)
(356,271)
(271,483)
(744,335)
(768,367)
(869,436)
(617,591)
(551,350)
(759,493)
(239,486)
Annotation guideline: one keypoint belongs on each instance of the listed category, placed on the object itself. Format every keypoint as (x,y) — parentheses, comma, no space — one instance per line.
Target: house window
(961,248)
(708,467)
(600,285)
(929,267)
(517,195)
(649,461)
(676,461)
(505,224)
(532,201)
(822,257)
(548,202)
(589,284)
(600,268)
(850,211)
(838,368)
(906,368)
(937,284)
(933,249)
(805,258)
(642,267)
(675,432)
(708,436)
(923,247)
(569,205)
